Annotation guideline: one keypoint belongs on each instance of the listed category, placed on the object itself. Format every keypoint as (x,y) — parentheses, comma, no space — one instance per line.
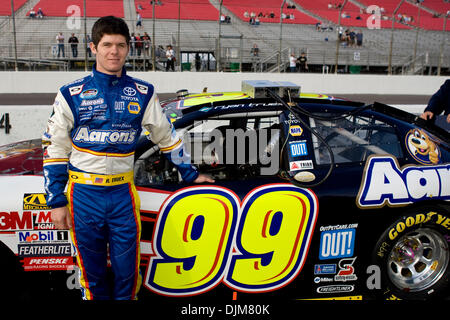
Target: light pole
(441,54)
(281,35)
(154,39)
(16,67)
(338,40)
(178,36)
(85,37)
(218,58)
(392,37)
(417,36)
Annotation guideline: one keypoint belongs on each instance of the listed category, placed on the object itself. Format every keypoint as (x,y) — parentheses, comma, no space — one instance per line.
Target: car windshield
(354,138)
(19,147)
(228,147)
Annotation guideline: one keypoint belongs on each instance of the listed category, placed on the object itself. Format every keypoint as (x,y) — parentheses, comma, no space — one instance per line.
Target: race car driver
(89,145)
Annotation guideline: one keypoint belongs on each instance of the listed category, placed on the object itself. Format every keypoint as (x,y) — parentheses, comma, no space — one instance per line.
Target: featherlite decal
(385,183)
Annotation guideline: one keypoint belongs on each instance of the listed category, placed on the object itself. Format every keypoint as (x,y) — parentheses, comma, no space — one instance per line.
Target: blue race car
(315,198)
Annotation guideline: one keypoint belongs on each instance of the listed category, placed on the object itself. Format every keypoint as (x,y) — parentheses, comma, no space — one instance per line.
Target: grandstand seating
(354,16)
(94,8)
(190,10)
(266,7)
(5,6)
(314,10)
(437,5)
(36,37)
(427,21)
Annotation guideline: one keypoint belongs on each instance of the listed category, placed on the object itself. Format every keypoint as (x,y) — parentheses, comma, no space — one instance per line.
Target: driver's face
(111,53)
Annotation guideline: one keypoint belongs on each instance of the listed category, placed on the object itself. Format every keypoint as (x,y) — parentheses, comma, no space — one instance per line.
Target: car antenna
(288,106)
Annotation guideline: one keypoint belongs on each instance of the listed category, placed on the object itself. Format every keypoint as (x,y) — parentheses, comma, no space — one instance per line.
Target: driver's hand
(61,218)
(204,178)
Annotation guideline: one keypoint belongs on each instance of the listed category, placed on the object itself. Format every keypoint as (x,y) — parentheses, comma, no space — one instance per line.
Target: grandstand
(94,8)
(267,11)
(189,10)
(5,6)
(417,42)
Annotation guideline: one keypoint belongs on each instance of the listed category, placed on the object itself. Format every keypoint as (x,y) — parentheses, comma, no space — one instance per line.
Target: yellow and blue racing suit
(89,146)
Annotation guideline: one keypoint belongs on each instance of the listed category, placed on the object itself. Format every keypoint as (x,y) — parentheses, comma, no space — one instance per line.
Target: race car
(315,197)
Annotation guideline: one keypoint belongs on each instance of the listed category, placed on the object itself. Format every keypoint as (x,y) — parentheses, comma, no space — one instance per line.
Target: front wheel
(413,254)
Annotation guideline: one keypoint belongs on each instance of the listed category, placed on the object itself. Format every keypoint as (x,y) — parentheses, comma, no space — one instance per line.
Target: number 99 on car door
(205,235)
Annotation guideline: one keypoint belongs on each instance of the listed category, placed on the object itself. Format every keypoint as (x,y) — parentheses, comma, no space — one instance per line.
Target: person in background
(87,42)
(40,13)
(60,42)
(302,62)
(73,40)
(438,103)
(170,55)
(292,63)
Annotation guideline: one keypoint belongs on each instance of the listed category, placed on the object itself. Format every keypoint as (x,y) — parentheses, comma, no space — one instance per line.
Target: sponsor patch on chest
(84,134)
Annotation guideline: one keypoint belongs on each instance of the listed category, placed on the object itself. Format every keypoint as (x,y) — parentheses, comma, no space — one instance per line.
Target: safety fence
(29,43)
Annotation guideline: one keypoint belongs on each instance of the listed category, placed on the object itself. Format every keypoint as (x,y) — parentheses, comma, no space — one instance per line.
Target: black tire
(13,277)
(413,255)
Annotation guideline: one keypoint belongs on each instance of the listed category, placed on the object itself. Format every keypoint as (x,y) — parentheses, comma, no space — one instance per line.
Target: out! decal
(204,235)
(385,183)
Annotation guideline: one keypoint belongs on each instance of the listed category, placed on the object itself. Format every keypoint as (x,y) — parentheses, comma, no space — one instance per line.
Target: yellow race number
(272,238)
(193,241)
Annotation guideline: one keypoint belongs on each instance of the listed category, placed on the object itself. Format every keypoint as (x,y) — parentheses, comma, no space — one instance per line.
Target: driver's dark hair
(109,25)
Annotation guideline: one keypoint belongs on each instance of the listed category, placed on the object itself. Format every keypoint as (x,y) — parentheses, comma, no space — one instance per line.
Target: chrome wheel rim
(418,260)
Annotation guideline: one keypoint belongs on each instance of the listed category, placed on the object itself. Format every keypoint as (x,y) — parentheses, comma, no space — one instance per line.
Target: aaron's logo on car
(34,201)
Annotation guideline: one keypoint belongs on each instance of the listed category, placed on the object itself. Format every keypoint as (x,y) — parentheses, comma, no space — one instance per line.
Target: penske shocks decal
(385,182)
(205,236)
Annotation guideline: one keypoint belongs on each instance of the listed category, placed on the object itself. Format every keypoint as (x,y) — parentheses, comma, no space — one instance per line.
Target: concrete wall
(27,122)
(49,82)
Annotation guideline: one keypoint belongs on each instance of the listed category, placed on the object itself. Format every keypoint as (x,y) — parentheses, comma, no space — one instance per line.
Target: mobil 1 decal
(337,241)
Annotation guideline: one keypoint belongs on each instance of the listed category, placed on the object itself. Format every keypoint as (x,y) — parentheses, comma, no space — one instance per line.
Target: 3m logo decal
(14,221)
(194,248)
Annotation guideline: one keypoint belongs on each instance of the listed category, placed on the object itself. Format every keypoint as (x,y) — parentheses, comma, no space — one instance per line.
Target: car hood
(24,157)
(196,99)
